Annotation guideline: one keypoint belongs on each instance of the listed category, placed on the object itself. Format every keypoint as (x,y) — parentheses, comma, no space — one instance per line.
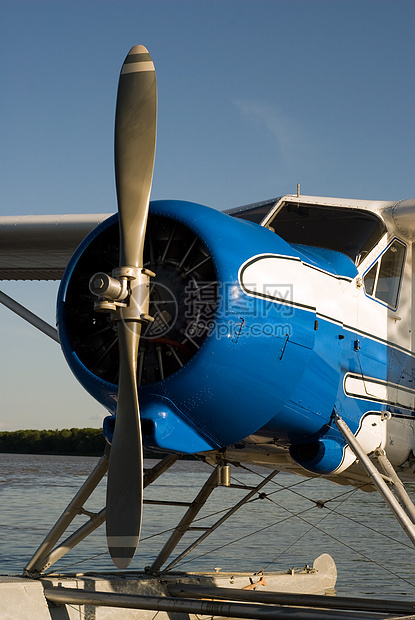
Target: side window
(370,279)
(383,279)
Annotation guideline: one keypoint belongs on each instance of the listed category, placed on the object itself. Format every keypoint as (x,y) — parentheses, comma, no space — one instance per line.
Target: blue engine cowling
(217,364)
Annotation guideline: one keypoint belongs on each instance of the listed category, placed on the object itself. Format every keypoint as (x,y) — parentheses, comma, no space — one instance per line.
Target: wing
(39,247)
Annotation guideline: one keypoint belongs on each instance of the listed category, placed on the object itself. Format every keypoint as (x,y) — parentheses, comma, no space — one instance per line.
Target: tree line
(68,441)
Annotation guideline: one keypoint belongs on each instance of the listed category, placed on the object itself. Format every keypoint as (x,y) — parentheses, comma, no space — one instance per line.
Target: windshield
(353,232)
(255,212)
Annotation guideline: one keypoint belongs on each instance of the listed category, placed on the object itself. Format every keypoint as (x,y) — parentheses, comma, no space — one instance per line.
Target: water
(285,529)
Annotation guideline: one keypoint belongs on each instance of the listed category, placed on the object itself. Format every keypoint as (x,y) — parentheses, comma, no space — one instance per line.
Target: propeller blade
(135,143)
(125,472)
(135,138)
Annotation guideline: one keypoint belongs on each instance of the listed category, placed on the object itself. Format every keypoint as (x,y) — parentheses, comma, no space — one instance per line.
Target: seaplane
(278,334)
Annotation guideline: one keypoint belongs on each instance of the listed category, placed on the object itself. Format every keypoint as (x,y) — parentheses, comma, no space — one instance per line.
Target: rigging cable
(313,526)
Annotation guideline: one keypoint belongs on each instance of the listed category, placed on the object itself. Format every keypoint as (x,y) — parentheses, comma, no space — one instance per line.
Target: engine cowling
(218,361)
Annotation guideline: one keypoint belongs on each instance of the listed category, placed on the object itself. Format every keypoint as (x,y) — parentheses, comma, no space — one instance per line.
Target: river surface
(287,528)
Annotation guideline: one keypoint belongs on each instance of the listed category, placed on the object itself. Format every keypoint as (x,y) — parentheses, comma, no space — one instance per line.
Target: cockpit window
(353,232)
(254,212)
(384,278)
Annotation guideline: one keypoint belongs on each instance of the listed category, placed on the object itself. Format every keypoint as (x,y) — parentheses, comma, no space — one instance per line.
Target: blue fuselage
(271,363)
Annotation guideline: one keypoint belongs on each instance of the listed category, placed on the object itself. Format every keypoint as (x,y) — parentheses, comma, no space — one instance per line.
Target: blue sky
(254,97)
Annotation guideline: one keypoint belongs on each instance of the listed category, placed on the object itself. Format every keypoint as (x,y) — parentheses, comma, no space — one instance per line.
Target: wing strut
(29,316)
(397,499)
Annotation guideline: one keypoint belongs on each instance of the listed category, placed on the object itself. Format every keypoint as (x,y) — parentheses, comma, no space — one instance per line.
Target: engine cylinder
(185,285)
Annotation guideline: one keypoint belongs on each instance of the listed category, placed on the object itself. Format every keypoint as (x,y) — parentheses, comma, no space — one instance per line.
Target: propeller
(127,294)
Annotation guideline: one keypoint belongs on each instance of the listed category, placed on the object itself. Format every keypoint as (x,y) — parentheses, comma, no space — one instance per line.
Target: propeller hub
(126,295)
(103,285)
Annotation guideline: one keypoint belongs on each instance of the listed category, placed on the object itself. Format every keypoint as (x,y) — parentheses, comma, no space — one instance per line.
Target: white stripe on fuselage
(334,299)
(313,290)
(370,388)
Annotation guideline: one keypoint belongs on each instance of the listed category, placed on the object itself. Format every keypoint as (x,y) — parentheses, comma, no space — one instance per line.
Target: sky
(254,96)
